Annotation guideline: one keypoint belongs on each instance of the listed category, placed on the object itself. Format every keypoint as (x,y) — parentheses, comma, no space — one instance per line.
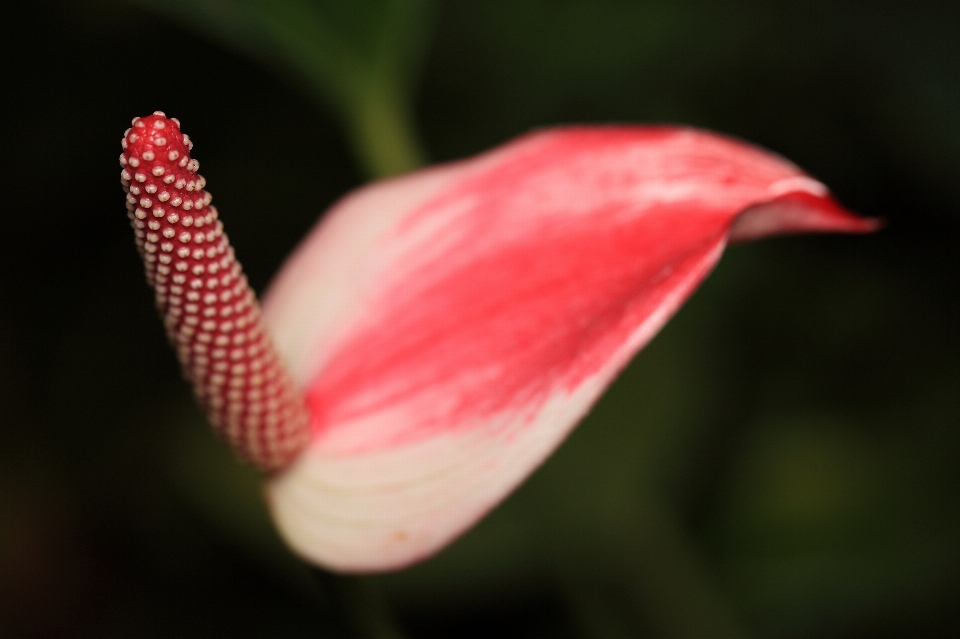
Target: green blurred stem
(360,606)
(369,613)
(381,132)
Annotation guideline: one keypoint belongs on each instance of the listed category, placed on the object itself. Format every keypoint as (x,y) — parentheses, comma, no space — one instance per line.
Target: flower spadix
(441,333)
(211,315)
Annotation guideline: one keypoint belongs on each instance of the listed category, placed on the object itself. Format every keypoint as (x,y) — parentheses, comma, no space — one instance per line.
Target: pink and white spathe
(450,327)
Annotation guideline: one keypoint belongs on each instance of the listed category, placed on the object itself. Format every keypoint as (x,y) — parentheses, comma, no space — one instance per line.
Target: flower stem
(382,134)
(360,606)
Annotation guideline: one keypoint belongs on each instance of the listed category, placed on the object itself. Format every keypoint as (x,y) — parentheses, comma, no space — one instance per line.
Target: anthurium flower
(437,335)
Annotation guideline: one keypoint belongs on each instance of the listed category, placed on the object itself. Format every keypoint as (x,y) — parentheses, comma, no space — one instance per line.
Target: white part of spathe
(365,513)
(387,509)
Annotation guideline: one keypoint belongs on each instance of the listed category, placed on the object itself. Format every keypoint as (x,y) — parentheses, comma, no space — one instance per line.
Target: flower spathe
(450,327)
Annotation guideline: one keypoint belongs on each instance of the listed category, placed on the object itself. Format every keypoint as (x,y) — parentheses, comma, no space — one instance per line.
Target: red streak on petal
(539,266)
(508,330)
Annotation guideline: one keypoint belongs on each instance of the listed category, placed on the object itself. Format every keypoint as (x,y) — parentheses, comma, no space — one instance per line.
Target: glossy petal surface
(450,327)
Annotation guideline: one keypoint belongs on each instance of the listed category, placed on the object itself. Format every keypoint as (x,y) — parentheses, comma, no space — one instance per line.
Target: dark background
(780,462)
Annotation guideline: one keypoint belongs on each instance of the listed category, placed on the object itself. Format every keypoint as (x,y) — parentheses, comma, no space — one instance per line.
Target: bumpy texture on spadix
(211,315)
(450,327)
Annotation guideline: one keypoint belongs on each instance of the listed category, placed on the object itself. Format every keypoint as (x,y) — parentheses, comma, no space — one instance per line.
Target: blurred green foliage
(780,462)
(360,57)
